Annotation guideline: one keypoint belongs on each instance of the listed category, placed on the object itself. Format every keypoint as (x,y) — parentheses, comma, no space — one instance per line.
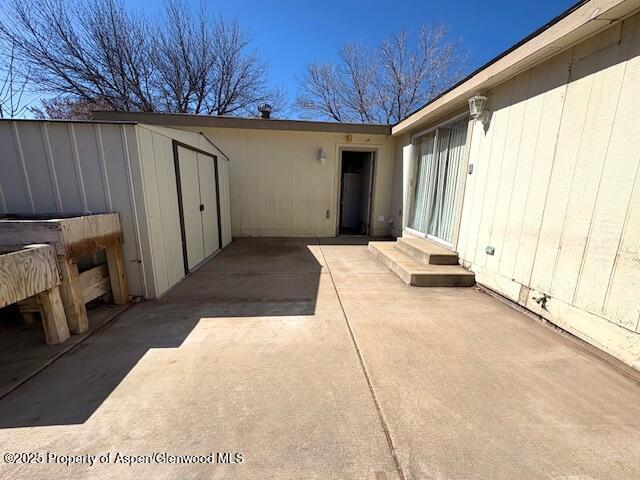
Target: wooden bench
(73,237)
(31,272)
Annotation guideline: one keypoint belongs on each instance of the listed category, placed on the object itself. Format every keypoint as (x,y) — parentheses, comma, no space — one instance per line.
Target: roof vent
(265,110)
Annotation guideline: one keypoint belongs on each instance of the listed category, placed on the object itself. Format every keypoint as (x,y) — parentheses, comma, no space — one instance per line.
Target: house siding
(555,187)
(279,188)
(555,190)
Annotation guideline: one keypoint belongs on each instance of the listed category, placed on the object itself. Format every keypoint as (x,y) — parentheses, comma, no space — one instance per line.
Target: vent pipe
(265,110)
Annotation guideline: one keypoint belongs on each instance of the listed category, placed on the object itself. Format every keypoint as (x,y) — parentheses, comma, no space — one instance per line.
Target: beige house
(540,194)
(289,178)
(536,192)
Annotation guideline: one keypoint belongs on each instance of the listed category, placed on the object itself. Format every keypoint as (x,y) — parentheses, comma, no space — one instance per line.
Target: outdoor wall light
(476,106)
(322,155)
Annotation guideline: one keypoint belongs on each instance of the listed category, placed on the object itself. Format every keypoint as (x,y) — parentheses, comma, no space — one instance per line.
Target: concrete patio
(314,361)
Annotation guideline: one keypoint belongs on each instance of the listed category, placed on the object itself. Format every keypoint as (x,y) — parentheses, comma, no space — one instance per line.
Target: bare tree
(12,86)
(383,85)
(321,93)
(95,51)
(67,108)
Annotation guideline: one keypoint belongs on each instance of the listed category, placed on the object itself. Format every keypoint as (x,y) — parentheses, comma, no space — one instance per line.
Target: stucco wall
(555,190)
(279,187)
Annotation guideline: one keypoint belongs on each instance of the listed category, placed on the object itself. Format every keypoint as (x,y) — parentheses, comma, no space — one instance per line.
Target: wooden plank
(117,275)
(21,232)
(607,73)
(29,318)
(95,282)
(26,272)
(555,91)
(483,134)
(622,304)
(477,135)
(84,235)
(96,289)
(569,140)
(93,275)
(506,174)
(524,168)
(594,329)
(72,297)
(54,321)
(71,236)
(500,125)
(615,190)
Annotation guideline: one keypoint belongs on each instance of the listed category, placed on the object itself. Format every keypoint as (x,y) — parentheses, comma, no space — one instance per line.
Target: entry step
(426,251)
(413,264)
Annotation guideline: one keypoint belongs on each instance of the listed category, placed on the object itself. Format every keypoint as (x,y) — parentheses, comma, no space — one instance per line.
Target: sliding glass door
(438,168)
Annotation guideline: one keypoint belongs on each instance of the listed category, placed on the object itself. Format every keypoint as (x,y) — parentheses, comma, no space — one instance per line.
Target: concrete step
(416,273)
(427,252)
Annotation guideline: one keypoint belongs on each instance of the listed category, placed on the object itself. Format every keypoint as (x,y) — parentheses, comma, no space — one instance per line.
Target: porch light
(322,155)
(476,106)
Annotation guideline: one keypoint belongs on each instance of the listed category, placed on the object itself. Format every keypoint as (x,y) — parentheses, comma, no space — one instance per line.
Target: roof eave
(203,121)
(576,24)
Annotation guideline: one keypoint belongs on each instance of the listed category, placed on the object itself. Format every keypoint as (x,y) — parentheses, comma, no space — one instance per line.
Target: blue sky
(292,33)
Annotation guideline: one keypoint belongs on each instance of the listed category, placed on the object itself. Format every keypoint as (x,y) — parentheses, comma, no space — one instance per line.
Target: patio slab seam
(383,421)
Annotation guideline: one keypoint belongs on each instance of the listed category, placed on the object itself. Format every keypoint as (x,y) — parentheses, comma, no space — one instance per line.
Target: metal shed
(170,187)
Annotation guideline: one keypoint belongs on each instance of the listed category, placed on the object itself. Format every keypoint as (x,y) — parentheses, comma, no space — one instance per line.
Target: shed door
(189,185)
(199,205)
(208,199)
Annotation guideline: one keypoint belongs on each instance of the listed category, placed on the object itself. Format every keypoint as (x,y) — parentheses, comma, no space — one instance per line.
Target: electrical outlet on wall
(381,218)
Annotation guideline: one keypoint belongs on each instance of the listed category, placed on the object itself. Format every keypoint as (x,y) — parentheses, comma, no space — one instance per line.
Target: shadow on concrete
(256,277)
(250,278)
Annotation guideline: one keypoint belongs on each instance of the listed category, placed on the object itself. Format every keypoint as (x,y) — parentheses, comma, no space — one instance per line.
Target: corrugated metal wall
(555,187)
(76,167)
(72,167)
(161,227)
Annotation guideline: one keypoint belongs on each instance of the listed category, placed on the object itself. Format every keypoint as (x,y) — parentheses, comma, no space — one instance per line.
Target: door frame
(176,163)
(374,156)
(459,187)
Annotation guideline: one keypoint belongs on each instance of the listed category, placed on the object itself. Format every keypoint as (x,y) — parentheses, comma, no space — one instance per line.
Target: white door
(189,186)
(208,199)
